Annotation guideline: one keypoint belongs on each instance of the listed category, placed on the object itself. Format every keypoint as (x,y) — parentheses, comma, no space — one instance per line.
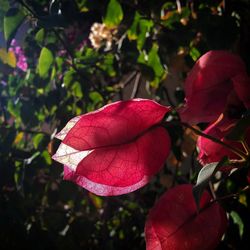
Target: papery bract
(116,149)
(207,87)
(173,223)
(210,151)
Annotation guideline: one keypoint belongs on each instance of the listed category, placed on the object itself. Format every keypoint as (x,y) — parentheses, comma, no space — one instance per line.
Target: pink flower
(19,53)
(210,83)
(173,223)
(116,149)
(211,151)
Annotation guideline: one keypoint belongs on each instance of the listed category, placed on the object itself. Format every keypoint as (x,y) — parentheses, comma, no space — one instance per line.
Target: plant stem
(27,131)
(245,146)
(235,195)
(234,150)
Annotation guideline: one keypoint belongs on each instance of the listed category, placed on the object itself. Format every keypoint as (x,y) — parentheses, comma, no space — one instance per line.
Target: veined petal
(114,124)
(116,149)
(208,85)
(120,169)
(173,223)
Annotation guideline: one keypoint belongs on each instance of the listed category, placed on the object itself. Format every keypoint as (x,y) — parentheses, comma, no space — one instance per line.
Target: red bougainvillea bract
(210,84)
(116,149)
(173,223)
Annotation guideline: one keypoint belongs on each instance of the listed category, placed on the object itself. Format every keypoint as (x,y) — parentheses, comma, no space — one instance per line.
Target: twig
(27,131)
(128,80)
(245,146)
(235,195)
(28,8)
(168,97)
(234,150)
(136,86)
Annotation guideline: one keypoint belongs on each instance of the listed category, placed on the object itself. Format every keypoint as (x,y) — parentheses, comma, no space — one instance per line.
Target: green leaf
(69,77)
(238,221)
(95,97)
(155,63)
(204,176)
(37,140)
(11,22)
(132,32)
(40,35)
(194,53)
(239,131)
(144,28)
(107,65)
(46,156)
(77,90)
(45,61)
(14,109)
(152,60)
(139,30)
(114,14)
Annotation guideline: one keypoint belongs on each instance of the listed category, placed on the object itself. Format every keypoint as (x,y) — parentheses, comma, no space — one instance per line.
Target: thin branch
(136,86)
(27,7)
(234,150)
(245,146)
(235,195)
(128,80)
(27,131)
(168,97)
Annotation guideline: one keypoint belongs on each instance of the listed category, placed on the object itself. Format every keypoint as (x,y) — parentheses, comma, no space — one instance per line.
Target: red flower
(210,83)
(116,149)
(211,151)
(173,223)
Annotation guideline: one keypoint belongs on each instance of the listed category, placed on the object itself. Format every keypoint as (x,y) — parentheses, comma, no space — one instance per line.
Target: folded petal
(209,84)
(173,223)
(210,151)
(116,149)
(114,124)
(116,170)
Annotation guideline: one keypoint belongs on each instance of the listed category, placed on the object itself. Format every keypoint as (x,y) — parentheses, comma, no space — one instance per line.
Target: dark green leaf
(204,176)
(12,20)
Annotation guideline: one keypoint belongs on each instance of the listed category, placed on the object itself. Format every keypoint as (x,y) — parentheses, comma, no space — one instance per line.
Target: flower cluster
(101,35)
(19,53)
(117,149)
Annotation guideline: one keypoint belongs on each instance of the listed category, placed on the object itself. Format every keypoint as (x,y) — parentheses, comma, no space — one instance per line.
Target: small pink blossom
(19,53)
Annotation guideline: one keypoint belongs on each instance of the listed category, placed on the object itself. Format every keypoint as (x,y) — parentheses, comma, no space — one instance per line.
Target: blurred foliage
(141,43)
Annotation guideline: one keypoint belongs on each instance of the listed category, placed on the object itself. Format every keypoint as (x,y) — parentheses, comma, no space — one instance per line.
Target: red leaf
(173,223)
(116,149)
(214,76)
